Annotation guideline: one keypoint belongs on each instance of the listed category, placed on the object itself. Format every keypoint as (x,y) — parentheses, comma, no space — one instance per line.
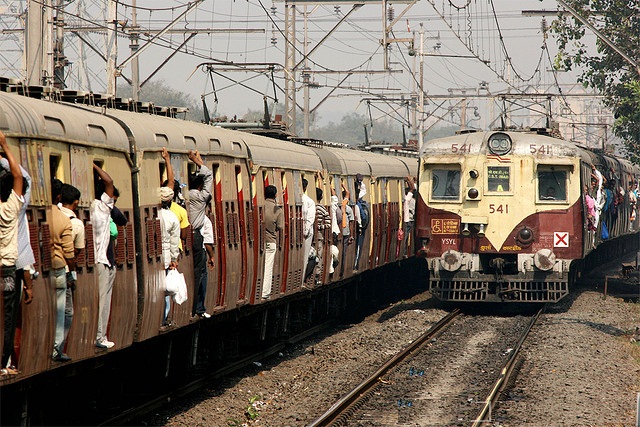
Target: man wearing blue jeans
(63,256)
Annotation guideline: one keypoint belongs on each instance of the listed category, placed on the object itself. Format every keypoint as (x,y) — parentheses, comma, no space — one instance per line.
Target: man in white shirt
(170,231)
(11,202)
(309,217)
(100,216)
(409,209)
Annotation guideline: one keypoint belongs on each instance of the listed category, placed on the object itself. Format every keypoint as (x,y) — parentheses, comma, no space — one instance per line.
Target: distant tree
(160,93)
(605,70)
(440,131)
(350,130)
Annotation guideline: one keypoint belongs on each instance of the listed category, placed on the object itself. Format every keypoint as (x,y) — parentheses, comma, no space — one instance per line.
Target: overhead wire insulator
(274,10)
(391,13)
(274,39)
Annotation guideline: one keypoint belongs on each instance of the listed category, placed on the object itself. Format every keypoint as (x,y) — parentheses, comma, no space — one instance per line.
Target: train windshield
(552,185)
(445,184)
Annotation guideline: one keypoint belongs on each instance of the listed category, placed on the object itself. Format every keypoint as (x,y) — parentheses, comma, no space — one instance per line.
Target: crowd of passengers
(604,199)
(348,224)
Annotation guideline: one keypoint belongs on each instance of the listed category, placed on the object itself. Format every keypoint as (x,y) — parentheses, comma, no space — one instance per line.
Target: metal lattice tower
(12,16)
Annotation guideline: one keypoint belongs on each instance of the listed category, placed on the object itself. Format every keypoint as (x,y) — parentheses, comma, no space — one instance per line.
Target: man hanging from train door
(409,209)
(62,261)
(11,201)
(273,222)
(309,218)
(24,263)
(101,208)
(361,213)
(171,227)
(345,226)
(323,221)
(199,198)
(69,199)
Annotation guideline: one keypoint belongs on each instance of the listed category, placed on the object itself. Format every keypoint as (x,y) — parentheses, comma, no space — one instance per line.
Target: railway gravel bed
(579,369)
(447,381)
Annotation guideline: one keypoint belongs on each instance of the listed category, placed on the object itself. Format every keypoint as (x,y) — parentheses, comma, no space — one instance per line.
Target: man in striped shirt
(323,222)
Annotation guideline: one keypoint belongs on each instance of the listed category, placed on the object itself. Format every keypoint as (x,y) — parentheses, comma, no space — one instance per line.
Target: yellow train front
(500,215)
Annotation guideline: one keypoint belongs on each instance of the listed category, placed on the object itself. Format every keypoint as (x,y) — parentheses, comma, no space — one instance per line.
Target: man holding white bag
(170,227)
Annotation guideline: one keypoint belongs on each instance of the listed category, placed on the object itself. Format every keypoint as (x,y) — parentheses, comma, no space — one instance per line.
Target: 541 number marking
(493,208)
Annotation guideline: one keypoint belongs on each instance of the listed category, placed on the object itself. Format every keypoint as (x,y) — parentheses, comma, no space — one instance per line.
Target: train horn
(481,231)
(465,230)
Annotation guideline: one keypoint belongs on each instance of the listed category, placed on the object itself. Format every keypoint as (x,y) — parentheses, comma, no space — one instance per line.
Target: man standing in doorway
(409,209)
(309,217)
(273,222)
(101,209)
(199,198)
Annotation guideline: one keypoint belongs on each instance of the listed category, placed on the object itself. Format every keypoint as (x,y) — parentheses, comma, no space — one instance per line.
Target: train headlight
(473,193)
(499,144)
(544,259)
(525,235)
(451,260)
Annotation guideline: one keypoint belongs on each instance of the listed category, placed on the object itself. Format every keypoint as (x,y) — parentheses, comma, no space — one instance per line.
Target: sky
(455,30)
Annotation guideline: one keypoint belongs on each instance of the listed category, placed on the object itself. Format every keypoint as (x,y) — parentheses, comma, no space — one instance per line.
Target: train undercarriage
(513,278)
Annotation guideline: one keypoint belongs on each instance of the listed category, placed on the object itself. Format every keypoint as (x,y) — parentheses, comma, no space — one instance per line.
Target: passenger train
(509,216)
(63,140)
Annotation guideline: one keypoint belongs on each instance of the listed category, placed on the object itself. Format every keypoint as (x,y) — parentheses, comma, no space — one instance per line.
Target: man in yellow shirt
(178,210)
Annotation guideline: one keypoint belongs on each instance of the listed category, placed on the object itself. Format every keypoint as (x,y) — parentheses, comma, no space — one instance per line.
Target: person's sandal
(8,372)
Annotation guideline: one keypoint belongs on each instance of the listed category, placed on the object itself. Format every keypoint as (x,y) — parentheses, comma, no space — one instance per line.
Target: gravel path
(580,369)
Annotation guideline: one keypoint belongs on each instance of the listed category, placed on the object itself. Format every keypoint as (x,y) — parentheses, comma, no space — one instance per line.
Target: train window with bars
(445,183)
(552,184)
(498,179)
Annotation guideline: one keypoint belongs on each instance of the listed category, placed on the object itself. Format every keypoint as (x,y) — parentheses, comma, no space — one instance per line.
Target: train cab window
(498,179)
(552,185)
(445,184)
(54,166)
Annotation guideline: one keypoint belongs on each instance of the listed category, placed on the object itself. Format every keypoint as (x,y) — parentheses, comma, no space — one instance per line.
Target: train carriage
(61,143)
(64,139)
(502,215)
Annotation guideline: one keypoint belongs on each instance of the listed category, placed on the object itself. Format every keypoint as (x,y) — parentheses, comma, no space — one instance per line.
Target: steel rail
(505,374)
(345,402)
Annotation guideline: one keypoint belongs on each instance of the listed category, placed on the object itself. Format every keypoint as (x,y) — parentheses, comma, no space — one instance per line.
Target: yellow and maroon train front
(500,216)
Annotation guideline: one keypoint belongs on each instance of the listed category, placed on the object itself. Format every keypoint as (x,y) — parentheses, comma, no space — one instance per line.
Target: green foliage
(251,412)
(350,130)
(605,70)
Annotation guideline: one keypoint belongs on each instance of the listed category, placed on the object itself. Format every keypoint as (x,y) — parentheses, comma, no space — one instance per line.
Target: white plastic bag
(176,286)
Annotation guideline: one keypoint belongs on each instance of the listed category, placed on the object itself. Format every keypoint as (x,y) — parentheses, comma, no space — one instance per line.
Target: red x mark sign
(560,239)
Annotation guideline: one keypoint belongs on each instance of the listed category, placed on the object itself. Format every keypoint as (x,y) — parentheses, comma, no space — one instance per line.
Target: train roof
(277,153)
(151,132)
(25,117)
(376,165)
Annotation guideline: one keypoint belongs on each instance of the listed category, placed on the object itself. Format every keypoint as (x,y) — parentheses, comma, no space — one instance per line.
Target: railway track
(441,378)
